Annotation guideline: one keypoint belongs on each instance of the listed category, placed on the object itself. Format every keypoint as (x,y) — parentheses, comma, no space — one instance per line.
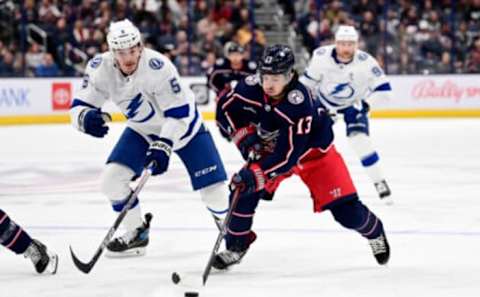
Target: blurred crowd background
(48,38)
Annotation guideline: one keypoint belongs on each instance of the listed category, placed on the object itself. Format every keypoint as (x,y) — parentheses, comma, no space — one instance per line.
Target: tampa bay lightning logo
(137,107)
(342,91)
(95,62)
(320,51)
(362,56)
(155,63)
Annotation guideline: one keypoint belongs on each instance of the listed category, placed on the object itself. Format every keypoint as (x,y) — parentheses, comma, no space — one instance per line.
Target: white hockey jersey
(153,99)
(340,85)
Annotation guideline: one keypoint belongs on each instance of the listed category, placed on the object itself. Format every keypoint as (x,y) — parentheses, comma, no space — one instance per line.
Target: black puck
(175,278)
(191,294)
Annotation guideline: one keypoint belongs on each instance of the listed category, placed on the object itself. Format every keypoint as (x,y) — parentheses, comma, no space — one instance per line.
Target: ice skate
(43,259)
(384,192)
(233,255)
(132,243)
(380,249)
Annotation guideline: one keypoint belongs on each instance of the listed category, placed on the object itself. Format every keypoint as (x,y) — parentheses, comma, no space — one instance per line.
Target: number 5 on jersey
(175,85)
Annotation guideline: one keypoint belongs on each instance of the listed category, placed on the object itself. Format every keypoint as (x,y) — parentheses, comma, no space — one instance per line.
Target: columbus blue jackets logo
(295,97)
(251,80)
(155,63)
(138,110)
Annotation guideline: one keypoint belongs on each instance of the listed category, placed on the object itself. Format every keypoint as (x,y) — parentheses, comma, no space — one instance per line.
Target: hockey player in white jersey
(344,78)
(162,118)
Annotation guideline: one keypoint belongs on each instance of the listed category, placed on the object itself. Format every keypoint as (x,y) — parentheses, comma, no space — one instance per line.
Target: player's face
(273,84)
(345,50)
(127,59)
(235,60)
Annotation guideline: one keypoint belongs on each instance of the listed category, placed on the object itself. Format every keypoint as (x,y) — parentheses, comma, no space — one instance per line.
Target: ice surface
(49,180)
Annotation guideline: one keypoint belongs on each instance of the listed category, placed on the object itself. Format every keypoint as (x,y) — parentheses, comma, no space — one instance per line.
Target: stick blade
(83,267)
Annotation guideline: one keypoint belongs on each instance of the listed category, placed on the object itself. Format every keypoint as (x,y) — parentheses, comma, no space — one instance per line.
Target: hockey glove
(159,153)
(248,180)
(92,121)
(247,141)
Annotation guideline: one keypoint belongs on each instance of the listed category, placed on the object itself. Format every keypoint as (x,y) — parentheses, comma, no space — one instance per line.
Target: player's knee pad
(215,198)
(115,182)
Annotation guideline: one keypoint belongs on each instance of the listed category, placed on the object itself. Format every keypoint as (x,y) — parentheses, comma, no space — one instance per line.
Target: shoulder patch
(155,63)
(362,56)
(220,61)
(251,80)
(295,97)
(320,51)
(96,61)
(252,65)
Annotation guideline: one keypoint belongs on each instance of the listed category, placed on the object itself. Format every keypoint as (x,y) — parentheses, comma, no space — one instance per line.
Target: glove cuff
(239,135)
(162,144)
(260,178)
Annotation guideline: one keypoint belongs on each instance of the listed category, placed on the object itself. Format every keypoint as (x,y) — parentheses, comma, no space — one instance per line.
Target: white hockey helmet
(123,35)
(346,33)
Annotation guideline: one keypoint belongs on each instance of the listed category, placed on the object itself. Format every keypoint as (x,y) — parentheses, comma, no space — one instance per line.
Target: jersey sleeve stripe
(283,116)
(77,102)
(177,112)
(236,95)
(383,87)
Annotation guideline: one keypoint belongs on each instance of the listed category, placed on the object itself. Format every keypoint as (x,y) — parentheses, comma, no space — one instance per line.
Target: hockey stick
(220,236)
(86,267)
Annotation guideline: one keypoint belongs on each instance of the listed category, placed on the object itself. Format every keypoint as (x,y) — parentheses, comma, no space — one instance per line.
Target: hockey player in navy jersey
(229,70)
(162,119)
(273,117)
(14,238)
(344,78)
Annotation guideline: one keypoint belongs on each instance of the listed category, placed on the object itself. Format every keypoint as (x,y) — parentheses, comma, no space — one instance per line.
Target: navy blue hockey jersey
(221,75)
(297,124)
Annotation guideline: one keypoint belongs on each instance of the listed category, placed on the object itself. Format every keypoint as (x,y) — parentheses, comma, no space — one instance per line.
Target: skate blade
(52,264)
(135,252)
(388,200)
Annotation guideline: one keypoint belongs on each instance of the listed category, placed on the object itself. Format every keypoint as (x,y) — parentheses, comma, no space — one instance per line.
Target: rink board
(44,100)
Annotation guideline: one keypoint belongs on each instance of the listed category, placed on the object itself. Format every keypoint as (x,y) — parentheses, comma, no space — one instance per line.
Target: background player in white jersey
(161,118)
(344,78)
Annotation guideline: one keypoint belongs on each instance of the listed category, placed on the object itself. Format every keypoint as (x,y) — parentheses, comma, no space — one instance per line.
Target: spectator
(473,58)
(48,68)
(7,68)
(33,58)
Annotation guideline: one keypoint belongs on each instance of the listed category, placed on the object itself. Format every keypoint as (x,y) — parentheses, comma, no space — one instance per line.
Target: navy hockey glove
(159,153)
(92,121)
(248,180)
(247,141)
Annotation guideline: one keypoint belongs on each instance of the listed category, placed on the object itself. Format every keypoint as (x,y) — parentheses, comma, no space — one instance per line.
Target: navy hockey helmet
(277,59)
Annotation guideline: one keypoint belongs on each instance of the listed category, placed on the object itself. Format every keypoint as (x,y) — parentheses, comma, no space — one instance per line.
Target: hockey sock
(215,198)
(12,236)
(352,214)
(362,146)
(238,231)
